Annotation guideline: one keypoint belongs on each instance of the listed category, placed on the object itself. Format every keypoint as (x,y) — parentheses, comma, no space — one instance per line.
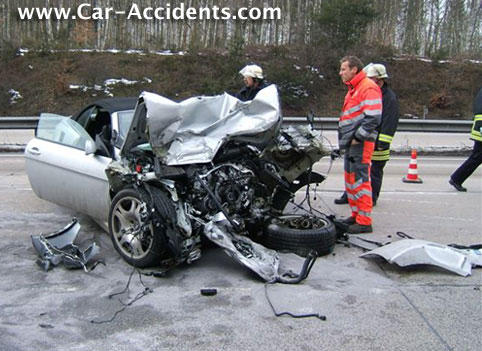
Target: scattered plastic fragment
(58,247)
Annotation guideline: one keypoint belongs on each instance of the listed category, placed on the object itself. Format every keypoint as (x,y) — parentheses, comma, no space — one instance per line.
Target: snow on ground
(111,82)
(312,69)
(14,96)
(316,71)
(22,51)
(108,85)
(428,60)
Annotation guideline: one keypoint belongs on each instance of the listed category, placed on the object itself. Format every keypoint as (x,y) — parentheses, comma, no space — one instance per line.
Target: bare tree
(410,26)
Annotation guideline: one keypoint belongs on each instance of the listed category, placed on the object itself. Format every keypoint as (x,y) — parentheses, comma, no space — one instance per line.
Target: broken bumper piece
(408,252)
(58,247)
(263,261)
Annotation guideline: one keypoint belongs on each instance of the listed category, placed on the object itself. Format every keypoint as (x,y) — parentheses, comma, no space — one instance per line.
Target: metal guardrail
(18,122)
(404,125)
(325,123)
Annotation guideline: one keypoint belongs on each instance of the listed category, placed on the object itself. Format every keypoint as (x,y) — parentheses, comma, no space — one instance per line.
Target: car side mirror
(90,147)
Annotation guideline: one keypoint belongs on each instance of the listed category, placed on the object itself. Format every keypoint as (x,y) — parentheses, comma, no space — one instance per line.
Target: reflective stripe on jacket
(476,128)
(361,113)
(388,126)
(476,132)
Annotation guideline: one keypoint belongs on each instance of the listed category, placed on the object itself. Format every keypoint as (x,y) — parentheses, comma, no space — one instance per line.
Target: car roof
(117,104)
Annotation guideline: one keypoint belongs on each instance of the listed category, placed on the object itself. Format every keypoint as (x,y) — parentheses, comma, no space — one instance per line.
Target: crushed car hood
(192,131)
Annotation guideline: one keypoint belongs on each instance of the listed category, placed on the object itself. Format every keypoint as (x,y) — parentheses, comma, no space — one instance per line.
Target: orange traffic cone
(412,175)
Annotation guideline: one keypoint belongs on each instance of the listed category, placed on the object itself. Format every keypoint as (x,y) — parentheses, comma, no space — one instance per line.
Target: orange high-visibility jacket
(362,111)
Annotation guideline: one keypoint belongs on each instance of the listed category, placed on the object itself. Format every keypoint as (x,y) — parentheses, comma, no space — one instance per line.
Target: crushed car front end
(209,165)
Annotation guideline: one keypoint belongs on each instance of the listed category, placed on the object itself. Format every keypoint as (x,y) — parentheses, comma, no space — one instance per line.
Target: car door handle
(34,151)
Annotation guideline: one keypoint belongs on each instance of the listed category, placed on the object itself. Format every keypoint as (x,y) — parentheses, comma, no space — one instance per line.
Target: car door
(60,171)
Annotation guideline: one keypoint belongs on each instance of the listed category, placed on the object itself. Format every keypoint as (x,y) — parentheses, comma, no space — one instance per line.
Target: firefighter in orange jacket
(378,73)
(360,117)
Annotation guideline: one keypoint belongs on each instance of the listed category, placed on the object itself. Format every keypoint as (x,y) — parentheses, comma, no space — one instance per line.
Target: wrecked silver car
(208,165)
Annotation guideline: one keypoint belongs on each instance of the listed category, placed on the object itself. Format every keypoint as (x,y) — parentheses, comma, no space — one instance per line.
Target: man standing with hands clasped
(378,73)
(360,117)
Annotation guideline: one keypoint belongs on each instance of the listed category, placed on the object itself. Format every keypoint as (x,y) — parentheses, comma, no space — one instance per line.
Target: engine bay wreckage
(218,167)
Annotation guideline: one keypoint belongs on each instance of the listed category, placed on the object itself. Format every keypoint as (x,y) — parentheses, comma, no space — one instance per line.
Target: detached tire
(280,236)
(138,248)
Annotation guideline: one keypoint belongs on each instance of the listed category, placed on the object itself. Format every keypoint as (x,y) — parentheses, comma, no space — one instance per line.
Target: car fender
(408,252)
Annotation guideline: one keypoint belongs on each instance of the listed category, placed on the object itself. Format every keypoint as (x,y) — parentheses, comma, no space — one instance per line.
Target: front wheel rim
(127,230)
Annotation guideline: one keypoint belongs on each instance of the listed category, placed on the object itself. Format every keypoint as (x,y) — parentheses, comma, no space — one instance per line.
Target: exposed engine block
(227,185)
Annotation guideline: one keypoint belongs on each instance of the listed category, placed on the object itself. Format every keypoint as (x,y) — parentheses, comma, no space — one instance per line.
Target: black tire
(149,247)
(280,236)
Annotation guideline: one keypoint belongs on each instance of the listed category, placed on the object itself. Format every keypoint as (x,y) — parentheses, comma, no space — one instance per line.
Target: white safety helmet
(253,71)
(376,70)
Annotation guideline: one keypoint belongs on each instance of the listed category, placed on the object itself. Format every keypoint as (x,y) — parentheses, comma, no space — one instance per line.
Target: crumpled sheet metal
(58,247)
(195,128)
(363,243)
(263,261)
(409,252)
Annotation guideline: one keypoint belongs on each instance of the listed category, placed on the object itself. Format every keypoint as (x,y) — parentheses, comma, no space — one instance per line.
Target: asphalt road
(369,304)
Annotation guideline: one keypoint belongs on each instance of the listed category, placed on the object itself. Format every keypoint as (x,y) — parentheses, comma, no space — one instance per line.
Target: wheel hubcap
(127,228)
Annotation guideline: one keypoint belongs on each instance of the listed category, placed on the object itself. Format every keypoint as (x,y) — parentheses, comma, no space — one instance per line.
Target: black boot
(359,229)
(342,200)
(457,186)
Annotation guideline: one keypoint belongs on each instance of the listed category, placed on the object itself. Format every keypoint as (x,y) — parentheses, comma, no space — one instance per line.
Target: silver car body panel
(263,261)
(192,131)
(80,180)
(65,175)
(409,252)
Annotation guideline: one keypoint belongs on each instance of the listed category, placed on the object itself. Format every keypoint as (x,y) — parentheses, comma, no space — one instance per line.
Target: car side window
(62,130)
(86,115)
(125,121)
(98,119)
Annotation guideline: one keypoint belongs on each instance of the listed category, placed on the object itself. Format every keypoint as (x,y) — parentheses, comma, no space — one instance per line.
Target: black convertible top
(117,104)
(111,105)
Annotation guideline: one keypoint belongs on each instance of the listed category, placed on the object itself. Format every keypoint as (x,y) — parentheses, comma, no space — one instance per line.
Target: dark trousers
(470,165)
(376,178)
